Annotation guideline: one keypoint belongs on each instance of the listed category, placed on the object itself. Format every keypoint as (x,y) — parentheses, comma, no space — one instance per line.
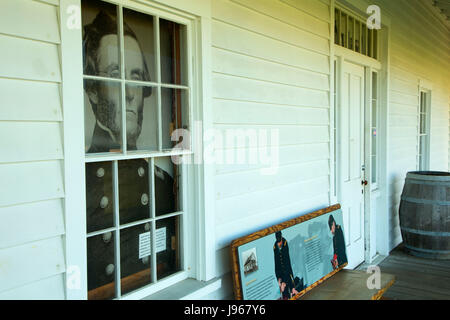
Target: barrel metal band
(427,250)
(426,201)
(428,183)
(427,233)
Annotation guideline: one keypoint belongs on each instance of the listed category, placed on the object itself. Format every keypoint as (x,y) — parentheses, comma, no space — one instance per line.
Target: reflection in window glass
(102,116)
(173,52)
(101,266)
(135,257)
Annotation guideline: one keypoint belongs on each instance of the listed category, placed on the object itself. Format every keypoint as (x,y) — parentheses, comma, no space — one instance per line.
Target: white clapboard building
(140,137)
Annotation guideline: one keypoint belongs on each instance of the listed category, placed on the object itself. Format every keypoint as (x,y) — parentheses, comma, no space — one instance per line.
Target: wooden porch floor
(416,278)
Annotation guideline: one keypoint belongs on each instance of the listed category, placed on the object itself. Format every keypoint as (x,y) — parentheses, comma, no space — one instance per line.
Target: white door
(351,144)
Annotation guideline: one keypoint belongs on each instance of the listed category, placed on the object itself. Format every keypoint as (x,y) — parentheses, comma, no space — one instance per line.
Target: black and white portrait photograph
(131,105)
(104,123)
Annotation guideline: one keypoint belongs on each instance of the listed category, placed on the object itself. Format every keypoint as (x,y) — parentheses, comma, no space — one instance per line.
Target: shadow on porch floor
(416,278)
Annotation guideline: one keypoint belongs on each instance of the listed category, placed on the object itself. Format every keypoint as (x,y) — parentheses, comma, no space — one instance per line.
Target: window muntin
(352,33)
(137,93)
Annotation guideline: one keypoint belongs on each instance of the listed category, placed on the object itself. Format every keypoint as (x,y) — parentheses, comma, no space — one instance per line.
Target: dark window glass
(174,115)
(167,246)
(134,191)
(135,257)
(101,266)
(167,176)
(99,196)
(173,52)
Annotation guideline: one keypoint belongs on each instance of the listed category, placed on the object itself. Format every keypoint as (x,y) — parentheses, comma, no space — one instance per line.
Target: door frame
(340,55)
(383,203)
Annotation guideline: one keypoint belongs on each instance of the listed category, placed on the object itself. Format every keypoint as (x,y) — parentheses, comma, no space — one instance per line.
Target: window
(352,33)
(423,147)
(137,93)
(374,130)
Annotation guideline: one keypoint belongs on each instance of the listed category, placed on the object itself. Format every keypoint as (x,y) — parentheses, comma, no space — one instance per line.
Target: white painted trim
(199,8)
(367,160)
(355,57)
(51,2)
(205,175)
(340,77)
(332,194)
(74,171)
(200,293)
(155,287)
(425,85)
(382,220)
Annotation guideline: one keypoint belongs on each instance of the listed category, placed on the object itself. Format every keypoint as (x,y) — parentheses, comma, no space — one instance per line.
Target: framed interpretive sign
(286,260)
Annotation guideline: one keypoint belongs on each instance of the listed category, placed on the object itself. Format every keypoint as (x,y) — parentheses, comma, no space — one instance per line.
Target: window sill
(188,289)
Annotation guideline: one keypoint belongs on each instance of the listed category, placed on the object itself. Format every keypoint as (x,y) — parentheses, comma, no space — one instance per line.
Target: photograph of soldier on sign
(283,268)
(339,253)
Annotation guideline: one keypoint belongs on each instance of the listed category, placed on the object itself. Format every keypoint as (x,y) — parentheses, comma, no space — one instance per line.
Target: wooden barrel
(425,214)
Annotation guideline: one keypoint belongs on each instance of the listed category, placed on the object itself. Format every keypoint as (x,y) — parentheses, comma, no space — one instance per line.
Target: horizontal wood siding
(271,65)
(420,50)
(51,288)
(32,260)
(21,265)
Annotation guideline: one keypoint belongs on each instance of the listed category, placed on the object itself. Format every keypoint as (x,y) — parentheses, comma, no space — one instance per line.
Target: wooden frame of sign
(236,274)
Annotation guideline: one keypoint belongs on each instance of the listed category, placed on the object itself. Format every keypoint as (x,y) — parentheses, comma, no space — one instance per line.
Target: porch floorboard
(416,278)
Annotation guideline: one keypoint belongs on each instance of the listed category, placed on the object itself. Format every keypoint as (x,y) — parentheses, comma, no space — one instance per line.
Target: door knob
(364,182)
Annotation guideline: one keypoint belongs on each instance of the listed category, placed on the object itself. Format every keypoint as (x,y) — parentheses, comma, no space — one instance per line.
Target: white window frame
(199,250)
(374,185)
(423,160)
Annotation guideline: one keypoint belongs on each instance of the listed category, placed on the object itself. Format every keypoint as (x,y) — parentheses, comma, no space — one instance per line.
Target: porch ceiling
(444,8)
